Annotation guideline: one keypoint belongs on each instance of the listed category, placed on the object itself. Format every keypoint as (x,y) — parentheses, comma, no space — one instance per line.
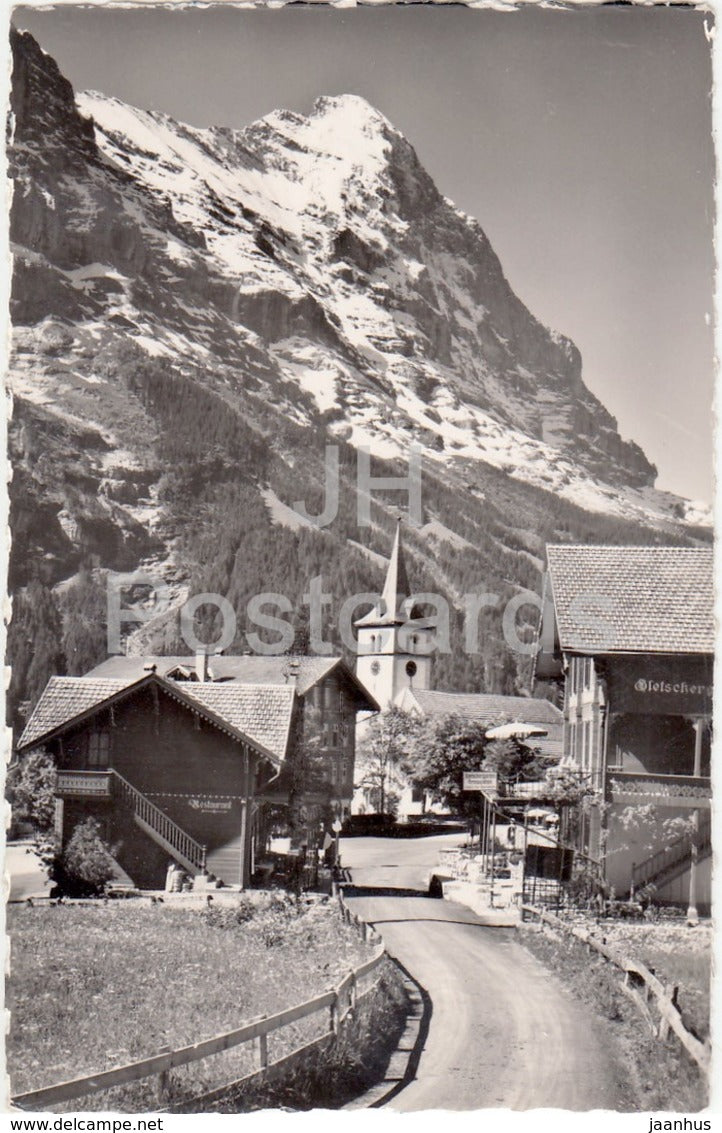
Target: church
(394,661)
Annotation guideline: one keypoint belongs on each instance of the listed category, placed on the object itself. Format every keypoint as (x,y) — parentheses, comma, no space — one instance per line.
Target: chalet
(194,761)
(630,633)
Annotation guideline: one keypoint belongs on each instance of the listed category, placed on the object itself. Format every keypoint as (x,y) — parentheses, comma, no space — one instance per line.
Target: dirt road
(503,1031)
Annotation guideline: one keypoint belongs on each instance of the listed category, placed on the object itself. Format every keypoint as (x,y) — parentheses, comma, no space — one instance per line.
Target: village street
(503,1031)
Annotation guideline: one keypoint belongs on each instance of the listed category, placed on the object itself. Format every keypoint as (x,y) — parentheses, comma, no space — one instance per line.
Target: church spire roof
(396,590)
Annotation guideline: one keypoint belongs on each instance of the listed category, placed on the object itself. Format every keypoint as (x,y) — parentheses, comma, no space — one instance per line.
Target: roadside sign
(486,781)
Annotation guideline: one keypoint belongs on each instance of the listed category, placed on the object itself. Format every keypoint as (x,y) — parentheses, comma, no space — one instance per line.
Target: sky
(581,141)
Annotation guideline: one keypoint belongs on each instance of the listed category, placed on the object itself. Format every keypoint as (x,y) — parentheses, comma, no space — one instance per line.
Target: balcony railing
(529,789)
(684,790)
(83,784)
(159,825)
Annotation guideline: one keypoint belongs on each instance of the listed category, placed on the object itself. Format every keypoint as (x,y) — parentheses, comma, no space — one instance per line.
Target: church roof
(487,708)
(392,610)
(490,708)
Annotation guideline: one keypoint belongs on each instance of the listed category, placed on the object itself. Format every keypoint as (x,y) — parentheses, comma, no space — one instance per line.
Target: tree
(443,748)
(385,749)
(512,760)
(84,607)
(33,649)
(575,796)
(31,790)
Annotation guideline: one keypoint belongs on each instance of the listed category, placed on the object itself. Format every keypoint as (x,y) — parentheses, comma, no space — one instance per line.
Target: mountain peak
(341,126)
(351,110)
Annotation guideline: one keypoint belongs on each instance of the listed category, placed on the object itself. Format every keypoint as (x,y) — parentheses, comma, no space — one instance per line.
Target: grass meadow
(100,985)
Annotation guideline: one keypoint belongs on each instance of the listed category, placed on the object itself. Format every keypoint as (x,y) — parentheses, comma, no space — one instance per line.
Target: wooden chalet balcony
(662,790)
(84,784)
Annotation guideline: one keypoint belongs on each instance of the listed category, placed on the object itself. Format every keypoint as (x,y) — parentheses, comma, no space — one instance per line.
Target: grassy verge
(661,1076)
(330,1078)
(678,955)
(97,986)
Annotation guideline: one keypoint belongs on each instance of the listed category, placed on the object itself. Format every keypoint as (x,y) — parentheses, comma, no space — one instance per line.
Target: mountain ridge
(197,313)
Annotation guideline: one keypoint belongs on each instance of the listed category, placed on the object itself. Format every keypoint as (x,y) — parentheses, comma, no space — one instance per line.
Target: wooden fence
(641,986)
(340,1001)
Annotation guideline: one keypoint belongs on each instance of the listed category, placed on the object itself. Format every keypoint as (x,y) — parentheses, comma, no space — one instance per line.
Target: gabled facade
(176,764)
(630,633)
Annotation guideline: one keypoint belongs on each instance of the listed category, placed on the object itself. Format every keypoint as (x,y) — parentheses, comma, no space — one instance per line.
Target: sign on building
(661,686)
(485,781)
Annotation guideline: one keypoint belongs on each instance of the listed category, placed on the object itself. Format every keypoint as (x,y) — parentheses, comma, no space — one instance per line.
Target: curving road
(503,1031)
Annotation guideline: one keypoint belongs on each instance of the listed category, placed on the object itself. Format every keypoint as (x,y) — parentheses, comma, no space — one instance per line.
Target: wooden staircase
(674,859)
(166,833)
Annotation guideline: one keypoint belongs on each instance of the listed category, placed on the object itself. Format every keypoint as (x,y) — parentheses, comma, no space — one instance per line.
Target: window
(573,741)
(587,745)
(330,733)
(577,681)
(98,749)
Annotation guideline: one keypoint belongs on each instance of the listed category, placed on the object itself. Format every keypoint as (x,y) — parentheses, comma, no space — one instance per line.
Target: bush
(31,790)
(222,917)
(86,865)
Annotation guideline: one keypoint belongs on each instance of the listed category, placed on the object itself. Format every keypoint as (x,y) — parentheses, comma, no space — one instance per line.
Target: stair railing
(670,856)
(173,834)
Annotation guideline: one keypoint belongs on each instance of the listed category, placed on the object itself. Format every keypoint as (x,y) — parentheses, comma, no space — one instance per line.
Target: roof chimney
(202,665)
(292,671)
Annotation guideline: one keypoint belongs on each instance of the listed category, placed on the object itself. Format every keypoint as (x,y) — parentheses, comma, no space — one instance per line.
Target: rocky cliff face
(304,271)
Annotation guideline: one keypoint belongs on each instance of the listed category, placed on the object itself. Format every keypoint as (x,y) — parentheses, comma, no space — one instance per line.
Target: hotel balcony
(642,787)
(84,784)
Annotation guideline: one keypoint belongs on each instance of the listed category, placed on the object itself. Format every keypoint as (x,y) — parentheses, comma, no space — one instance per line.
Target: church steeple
(396,592)
(391,653)
(396,587)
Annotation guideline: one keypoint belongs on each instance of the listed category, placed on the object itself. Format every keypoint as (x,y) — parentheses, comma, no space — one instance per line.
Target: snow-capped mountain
(304,271)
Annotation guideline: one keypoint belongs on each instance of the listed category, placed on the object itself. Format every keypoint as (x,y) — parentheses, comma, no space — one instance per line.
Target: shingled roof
(62,700)
(633,599)
(488,708)
(260,714)
(249,669)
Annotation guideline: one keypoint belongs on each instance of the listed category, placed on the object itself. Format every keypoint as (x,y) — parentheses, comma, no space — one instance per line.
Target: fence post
(353,991)
(333,1012)
(163,1080)
(672,992)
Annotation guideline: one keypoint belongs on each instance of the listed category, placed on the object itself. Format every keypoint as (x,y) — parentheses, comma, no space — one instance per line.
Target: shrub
(228,918)
(86,865)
